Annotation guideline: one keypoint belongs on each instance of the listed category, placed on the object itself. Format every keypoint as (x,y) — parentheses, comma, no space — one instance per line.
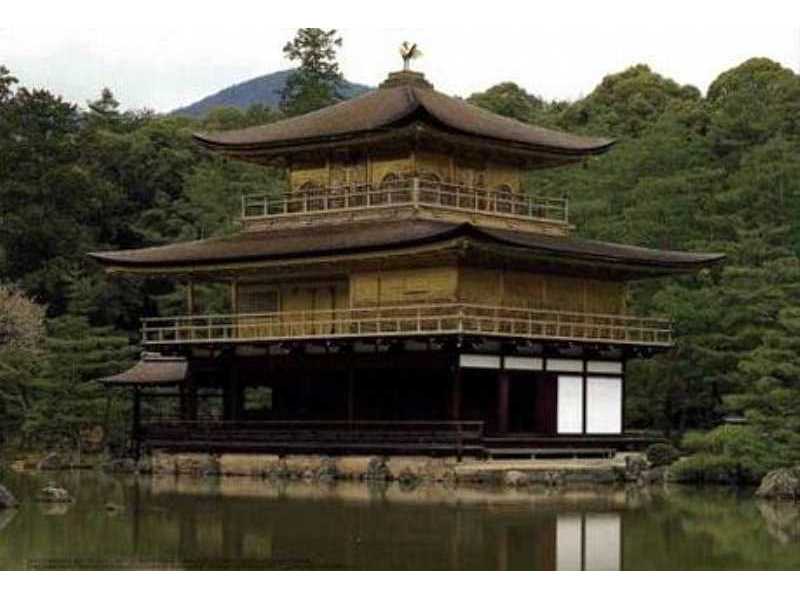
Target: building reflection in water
(355,527)
(589,542)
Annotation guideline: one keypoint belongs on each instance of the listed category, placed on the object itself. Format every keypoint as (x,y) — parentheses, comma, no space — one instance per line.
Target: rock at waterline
(7,499)
(120,465)
(378,470)
(51,462)
(781,483)
(54,494)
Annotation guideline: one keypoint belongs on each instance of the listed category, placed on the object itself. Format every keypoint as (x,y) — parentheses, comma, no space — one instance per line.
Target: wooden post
(503,388)
(136,422)
(455,406)
(232,396)
(351,384)
(455,397)
(190,298)
(234,296)
(188,398)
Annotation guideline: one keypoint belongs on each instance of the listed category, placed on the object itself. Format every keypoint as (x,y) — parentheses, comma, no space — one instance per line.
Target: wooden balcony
(330,437)
(421,321)
(444,199)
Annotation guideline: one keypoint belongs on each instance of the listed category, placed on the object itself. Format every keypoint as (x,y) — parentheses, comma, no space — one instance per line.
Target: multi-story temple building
(405,294)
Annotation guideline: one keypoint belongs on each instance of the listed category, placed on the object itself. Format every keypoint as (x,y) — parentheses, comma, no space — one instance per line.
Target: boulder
(515,478)
(781,483)
(52,493)
(409,479)
(7,499)
(653,476)
(635,465)
(196,464)
(145,465)
(278,470)
(328,471)
(378,470)
(52,462)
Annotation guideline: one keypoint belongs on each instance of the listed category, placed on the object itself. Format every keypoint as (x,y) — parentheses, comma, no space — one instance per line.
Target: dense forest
(718,171)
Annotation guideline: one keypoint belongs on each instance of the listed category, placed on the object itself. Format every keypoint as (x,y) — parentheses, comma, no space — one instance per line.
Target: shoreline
(625,468)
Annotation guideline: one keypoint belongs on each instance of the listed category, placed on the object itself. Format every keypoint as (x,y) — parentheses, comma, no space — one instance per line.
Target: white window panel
(603,366)
(522,363)
(603,405)
(570,404)
(565,365)
(479,361)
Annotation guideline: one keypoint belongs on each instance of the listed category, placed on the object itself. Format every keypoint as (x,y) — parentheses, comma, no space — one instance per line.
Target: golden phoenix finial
(409,52)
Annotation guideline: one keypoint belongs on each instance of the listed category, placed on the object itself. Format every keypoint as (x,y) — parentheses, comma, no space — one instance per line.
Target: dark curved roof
(358,238)
(393,106)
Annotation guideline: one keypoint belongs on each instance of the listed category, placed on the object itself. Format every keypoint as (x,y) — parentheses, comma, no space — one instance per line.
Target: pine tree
(316,82)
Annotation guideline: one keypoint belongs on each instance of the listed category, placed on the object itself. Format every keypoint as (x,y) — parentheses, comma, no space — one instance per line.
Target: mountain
(261,90)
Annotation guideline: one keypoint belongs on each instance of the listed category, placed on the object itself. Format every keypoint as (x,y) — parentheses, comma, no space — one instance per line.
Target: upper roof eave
(389,108)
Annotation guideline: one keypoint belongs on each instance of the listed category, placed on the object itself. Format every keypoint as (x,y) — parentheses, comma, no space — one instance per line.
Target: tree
(509,100)
(64,393)
(751,103)
(316,82)
(626,103)
(21,321)
(21,339)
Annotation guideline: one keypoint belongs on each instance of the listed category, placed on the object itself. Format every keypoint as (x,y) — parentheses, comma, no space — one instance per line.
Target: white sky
(162,54)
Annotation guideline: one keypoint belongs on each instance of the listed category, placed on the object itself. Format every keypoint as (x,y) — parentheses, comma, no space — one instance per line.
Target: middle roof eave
(359,238)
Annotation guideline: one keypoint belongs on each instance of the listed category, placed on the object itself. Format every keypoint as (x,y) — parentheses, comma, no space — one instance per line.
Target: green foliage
(628,103)
(75,181)
(661,455)
(315,83)
(749,451)
(716,469)
(720,173)
(714,173)
(509,100)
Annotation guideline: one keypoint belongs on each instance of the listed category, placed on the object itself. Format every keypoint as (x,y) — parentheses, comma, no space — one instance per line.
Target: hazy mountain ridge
(265,89)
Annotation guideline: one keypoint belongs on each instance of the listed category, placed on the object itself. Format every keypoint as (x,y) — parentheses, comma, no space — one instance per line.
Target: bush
(714,468)
(661,455)
(743,443)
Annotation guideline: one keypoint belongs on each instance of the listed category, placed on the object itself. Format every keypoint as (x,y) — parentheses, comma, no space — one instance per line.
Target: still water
(168,523)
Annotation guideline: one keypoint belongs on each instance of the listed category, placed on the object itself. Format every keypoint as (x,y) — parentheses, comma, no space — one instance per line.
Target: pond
(242,523)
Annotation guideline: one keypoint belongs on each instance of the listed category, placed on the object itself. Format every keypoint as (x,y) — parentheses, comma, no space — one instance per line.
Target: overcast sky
(158,55)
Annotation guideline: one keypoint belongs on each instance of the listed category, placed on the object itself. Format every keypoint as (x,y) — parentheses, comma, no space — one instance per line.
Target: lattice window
(258,298)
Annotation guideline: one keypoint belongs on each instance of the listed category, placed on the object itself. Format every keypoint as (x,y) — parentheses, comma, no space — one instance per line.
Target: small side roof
(151,370)
(401,101)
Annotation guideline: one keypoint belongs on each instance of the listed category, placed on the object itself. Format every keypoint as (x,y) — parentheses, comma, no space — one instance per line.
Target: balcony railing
(409,192)
(407,321)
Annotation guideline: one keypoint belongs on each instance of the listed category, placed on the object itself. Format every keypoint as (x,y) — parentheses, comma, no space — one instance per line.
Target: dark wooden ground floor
(422,402)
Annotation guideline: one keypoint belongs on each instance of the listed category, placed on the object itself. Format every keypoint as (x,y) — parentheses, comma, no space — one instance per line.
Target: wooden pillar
(455,396)
(188,395)
(234,296)
(351,390)
(232,404)
(136,424)
(503,389)
(190,298)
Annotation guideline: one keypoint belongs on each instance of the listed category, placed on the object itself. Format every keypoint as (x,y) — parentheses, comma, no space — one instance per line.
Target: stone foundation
(405,469)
